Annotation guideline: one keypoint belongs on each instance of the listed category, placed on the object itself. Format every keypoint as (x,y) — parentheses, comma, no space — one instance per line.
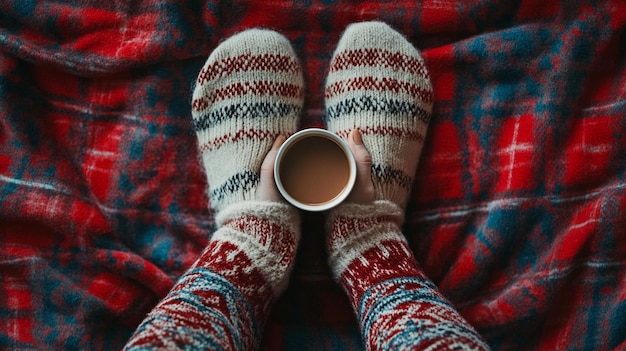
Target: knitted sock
(378,83)
(397,306)
(250,90)
(223,301)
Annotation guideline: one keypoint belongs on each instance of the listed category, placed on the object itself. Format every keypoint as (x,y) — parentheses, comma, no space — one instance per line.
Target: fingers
(363,191)
(361,155)
(267,186)
(268,162)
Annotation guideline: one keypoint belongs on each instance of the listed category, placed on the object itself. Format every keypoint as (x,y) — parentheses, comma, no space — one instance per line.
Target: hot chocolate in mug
(315,170)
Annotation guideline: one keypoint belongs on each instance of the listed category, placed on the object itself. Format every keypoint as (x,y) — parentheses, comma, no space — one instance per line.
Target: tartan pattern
(516,213)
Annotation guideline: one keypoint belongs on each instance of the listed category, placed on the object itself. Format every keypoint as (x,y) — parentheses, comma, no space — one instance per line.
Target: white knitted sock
(378,83)
(250,90)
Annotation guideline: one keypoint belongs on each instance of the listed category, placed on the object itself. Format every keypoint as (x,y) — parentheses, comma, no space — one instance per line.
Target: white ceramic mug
(315,170)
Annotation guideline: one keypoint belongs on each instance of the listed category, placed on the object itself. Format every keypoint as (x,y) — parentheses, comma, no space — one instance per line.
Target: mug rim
(342,144)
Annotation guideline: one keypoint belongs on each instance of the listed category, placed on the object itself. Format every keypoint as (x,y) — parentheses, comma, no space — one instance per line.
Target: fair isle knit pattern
(203,311)
(398,308)
(223,301)
(378,84)
(250,90)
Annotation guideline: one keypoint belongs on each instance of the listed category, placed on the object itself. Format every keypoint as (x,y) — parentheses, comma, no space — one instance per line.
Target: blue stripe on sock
(388,175)
(239,182)
(246,110)
(379,105)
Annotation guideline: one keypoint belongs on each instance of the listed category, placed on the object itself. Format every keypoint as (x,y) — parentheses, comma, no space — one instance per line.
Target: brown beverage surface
(314,170)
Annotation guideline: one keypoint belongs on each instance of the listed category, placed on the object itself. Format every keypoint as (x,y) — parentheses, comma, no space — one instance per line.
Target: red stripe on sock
(258,88)
(249,62)
(379,84)
(378,57)
(200,104)
(251,134)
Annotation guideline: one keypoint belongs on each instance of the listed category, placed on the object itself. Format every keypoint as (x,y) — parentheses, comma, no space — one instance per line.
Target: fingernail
(280,139)
(356,136)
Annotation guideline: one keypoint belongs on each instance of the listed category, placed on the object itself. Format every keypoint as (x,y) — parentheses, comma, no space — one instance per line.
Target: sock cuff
(278,212)
(354,229)
(267,233)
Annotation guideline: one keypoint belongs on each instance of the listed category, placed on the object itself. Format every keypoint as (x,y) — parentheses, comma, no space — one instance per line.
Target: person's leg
(378,84)
(249,92)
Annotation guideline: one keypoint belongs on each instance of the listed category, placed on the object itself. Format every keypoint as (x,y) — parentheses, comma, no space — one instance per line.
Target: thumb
(363,191)
(267,188)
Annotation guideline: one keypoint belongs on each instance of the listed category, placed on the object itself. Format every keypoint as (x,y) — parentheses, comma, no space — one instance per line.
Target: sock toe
(378,83)
(250,90)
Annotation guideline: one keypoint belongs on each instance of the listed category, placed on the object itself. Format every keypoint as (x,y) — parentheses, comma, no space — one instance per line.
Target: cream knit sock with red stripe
(378,83)
(250,90)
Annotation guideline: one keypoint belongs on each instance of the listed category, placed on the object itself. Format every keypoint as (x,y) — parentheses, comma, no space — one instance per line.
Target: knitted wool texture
(397,306)
(250,90)
(223,301)
(378,83)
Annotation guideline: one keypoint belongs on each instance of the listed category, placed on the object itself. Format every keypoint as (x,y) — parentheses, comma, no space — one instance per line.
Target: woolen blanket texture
(517,212)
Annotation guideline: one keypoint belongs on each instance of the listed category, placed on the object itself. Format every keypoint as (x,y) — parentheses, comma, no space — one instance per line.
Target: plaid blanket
(518,212)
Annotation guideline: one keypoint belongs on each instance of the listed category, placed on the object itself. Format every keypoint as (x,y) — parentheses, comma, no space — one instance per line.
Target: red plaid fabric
(516,214)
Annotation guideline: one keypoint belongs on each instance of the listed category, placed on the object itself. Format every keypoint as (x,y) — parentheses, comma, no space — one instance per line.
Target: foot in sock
(248,97)
(379,87)
(378,83)
(250,90)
